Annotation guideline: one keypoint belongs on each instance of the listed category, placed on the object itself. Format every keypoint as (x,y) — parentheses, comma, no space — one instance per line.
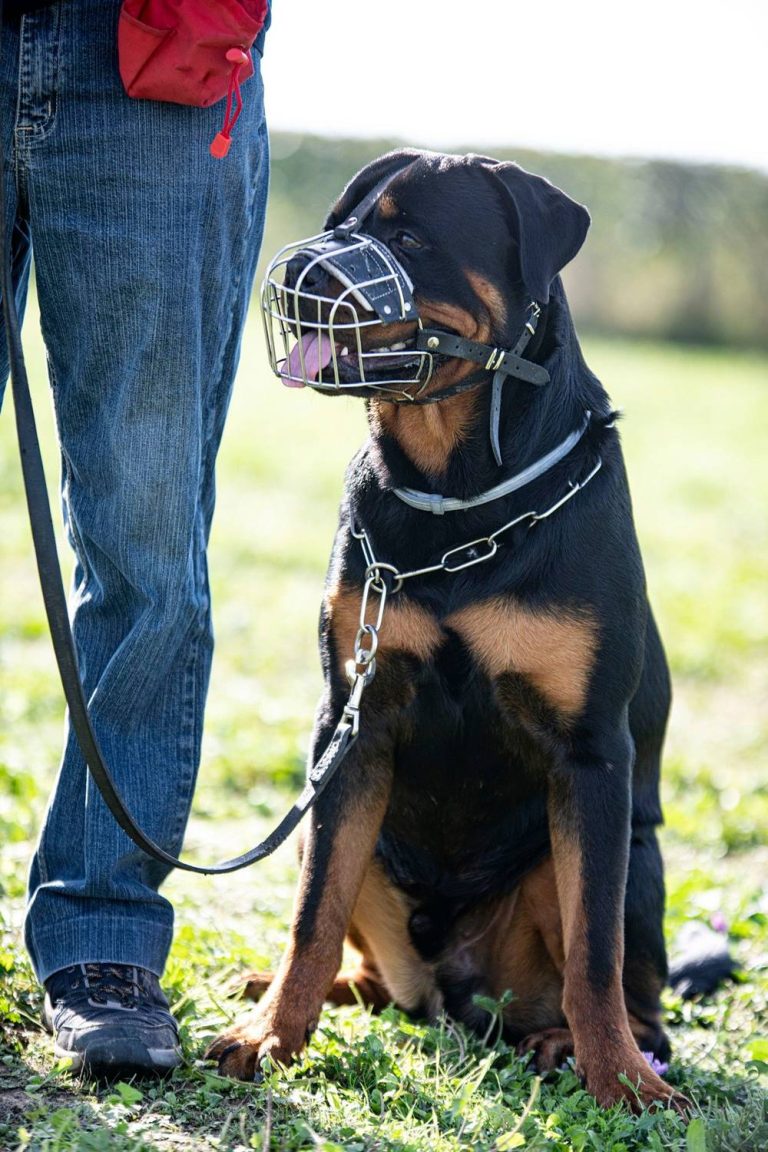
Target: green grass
(694,437)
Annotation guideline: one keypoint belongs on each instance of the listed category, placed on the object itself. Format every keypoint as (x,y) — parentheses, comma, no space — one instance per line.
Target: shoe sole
(106,1062)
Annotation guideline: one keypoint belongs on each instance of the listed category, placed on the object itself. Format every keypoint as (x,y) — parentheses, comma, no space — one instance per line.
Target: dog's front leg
(589,816)
(344,826)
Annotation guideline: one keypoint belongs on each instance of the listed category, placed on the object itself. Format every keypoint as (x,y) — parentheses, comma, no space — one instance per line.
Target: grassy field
(694,436)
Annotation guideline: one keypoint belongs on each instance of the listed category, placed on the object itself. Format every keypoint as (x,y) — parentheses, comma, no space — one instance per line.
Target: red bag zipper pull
(222,140)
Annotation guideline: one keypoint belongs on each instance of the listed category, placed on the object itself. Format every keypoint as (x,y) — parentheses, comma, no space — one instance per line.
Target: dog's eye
(407,242)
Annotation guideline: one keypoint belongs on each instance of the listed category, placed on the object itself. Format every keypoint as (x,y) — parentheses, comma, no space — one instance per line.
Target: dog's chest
(468,784)
(550,649)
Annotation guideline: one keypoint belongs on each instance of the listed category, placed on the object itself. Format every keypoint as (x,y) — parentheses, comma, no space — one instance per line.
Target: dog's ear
(366,179)
(548,226)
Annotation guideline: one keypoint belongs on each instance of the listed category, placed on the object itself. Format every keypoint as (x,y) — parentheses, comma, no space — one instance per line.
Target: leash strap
(55,602)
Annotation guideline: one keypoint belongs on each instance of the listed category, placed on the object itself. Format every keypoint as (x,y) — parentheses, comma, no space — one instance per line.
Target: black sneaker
(111,1020)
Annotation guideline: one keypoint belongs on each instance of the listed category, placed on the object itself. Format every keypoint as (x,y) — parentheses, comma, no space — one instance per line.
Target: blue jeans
(145,250)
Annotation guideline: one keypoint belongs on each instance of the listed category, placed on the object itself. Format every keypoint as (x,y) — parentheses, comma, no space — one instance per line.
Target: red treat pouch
(189,52)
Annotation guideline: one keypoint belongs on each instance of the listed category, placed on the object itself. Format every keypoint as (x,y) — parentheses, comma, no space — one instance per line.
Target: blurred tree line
(676,251)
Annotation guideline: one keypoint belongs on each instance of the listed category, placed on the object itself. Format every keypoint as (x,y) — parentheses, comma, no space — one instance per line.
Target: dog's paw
(240,1050)
(551,1047)
(639,1087)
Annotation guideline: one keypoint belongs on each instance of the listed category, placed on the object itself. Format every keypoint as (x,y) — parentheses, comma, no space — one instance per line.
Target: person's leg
(16,229)
(145,250)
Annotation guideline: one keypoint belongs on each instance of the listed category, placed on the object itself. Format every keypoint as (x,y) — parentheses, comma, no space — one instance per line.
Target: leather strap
(495,422)
(500,378)
(493,359)
(364,207)
(464,385)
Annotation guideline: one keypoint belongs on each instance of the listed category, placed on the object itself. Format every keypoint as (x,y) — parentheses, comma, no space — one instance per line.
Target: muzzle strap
(500,379)
(492,359)
(364,207)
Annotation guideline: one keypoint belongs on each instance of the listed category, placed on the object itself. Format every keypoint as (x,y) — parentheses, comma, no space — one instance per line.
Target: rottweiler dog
(493,829)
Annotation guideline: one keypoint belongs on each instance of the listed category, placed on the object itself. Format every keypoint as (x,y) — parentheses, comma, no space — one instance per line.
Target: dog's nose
(312,275)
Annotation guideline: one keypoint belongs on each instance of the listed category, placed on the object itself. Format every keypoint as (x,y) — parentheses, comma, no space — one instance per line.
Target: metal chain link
(474,552)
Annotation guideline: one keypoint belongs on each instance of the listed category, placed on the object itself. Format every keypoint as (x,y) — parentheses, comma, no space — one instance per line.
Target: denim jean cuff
(102,940)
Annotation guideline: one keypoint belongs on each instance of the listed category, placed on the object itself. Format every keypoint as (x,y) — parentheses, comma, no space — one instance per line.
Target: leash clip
(359,681)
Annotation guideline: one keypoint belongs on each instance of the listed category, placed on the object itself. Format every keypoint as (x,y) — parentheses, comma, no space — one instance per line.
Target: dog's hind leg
(391,970)
(256,984)
(590,855)
(645,965)
(364,985)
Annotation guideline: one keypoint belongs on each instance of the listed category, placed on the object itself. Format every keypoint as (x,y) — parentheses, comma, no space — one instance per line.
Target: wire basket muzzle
(322,301)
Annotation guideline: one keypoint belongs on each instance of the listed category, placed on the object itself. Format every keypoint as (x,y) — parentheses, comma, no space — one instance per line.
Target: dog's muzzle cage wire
(375,292)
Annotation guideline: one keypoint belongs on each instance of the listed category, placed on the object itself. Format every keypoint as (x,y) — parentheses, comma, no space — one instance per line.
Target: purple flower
(718,922)
(660,1067)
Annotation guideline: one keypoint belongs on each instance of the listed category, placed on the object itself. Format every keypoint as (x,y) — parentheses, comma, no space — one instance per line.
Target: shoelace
(107,983)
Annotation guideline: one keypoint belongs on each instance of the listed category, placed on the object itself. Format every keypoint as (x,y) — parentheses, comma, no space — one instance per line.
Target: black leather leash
(55,601)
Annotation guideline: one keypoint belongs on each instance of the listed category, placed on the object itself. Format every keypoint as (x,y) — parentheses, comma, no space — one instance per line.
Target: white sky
(672,78)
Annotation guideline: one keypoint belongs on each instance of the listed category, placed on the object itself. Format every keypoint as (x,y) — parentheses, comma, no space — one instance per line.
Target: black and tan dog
(494,826)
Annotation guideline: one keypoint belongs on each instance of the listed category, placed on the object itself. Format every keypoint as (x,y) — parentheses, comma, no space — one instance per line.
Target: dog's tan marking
(380,926)
(364,984)
(456,318)
(406,626)
(538,892)
(491,297)
(388,207)
(427,434)
(553,651)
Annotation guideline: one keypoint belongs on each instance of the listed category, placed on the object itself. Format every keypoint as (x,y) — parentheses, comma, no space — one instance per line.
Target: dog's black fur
(495,824)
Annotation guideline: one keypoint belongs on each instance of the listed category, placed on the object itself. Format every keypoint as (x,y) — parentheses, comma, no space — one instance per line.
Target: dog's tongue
(316,350)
